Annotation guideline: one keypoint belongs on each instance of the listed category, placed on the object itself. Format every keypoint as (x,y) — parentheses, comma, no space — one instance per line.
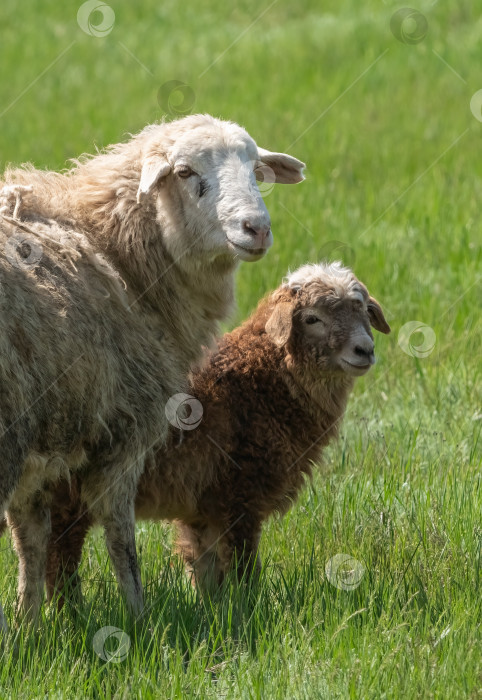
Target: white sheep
(138,248)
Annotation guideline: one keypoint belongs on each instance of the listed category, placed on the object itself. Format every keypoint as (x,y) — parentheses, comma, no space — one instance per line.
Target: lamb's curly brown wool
(273,395)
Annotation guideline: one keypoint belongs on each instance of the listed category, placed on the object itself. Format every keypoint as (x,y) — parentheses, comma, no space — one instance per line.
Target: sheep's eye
(185,171)
(312,319)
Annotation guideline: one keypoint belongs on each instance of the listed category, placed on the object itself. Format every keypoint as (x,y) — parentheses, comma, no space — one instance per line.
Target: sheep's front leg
(121,544)
(30,526)
(114,510)
(12,456)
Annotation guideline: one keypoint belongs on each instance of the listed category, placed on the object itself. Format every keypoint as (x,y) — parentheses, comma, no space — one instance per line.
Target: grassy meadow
(383,107)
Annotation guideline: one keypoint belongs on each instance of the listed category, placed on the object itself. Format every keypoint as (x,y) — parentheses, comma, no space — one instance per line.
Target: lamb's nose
(365,349)
(257,227)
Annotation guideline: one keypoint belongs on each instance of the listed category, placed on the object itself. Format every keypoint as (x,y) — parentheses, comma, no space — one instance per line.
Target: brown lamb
(271,396)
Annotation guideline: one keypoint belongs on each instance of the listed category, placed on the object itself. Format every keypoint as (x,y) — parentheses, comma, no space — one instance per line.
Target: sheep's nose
(365,350)
(257,227)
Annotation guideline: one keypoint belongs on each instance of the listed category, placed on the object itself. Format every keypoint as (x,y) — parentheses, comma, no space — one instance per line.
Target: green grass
(394,187)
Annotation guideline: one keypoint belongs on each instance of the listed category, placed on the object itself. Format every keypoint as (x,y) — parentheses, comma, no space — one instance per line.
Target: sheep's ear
(153,169)
(377,319)
(278,326)
(286,169)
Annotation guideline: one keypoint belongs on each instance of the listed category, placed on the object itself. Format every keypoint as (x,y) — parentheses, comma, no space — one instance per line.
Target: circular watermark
(337,250)
(476,105)
(96,18)
(184,411)
(409,26)
(121,646)
(417,339)
(23,251)
(256,178)
(265,178)
(176,98)
(344,572)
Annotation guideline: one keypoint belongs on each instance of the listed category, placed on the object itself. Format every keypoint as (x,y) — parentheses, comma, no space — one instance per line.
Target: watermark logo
(337,250)
(417,339)
(265,178)
(96,18)
(111,644)
(257,178)
(409,26)
(176,98)
(23,251)
(344,572)
(184,411)
(476,105)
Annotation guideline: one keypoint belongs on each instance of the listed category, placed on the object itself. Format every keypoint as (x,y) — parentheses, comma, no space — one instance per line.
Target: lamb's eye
(185,171)
(312,319)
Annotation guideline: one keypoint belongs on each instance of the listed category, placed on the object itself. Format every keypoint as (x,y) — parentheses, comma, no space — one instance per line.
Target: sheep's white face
(208,203)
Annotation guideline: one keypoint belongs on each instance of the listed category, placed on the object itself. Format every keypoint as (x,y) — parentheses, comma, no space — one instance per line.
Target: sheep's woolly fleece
(71,245)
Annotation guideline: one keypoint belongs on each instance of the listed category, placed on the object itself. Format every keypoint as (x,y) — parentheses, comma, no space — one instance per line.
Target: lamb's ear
(377,319)
(287,170)
(278,326)
(153,169)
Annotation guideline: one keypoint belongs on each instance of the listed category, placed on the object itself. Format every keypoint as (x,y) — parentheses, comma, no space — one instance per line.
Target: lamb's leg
(30,525)
(211,549)
(70,524)
(243,540)
(242,544)
(198,544)
(111,503)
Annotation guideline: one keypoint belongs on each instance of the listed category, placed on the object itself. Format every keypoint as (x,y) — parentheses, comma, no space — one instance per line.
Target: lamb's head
(200,174)
(323,316)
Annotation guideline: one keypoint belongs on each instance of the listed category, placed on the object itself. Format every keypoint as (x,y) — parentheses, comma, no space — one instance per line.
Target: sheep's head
(323,316)
(201,173)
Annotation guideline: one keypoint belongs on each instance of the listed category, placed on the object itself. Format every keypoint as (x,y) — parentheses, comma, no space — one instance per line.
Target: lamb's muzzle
(358,355)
